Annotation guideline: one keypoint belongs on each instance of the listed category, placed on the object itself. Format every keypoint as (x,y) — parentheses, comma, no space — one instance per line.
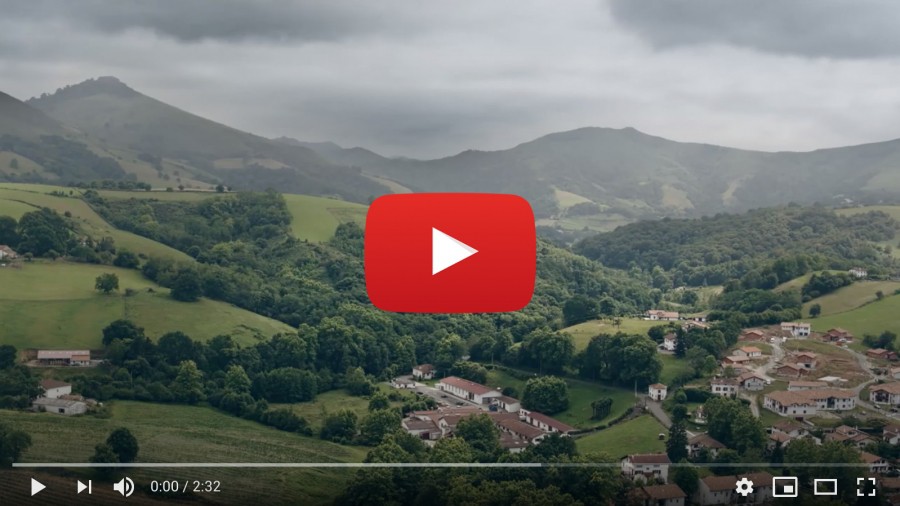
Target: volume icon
(124,486)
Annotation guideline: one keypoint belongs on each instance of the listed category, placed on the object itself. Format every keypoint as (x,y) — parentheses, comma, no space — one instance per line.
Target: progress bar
(360,465)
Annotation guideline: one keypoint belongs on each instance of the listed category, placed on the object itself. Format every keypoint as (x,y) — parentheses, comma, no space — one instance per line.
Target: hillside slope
(23,120)
(121,117)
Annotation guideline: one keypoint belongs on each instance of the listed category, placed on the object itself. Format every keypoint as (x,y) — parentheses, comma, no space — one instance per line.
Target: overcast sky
(431,78)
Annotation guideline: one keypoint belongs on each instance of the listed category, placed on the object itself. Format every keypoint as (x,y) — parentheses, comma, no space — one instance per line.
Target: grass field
(583,332)
(170,433)
(851,297)
(316,218)
(892,211)
(17,199)
(178,196)
(581,395)
(639,435)
(873,318)
(798,282)
(54,305)
(334,401)
(672,368)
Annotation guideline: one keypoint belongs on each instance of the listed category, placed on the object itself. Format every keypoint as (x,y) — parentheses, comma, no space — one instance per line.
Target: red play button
(450,253)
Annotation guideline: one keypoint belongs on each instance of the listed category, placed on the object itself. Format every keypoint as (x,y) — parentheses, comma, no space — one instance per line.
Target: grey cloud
(226,20)
(812,28)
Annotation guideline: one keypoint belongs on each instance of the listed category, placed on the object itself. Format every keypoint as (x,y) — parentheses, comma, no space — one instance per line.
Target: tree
(121,330)
(220,188)
(679,412)
(236,380)
(188,384)
(339,427)
(8,356)
(123,444)
(471,371)
(685,477)
(547,394)
(451,451)
(357,383)
(187,285)
(482,435)
(106,282)
(600,408)
(578,309)
(676,445)
(378,424)
(13,443)
(8,234)
(14,164)
(815,310)
(104,454)
(126,260)
(379,401)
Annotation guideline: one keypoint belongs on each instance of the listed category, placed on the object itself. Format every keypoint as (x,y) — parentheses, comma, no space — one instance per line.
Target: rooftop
(891,388)
(650,458)
(47,384)
(466,385)
(664,492)
(551,422)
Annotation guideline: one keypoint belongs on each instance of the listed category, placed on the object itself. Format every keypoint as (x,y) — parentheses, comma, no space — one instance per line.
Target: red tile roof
(47,384)
(650,458)
(664,492)
(466,385)
(551,422)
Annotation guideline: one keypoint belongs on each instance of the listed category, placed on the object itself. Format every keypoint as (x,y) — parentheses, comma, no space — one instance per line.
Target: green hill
(852,297)
(172,433)
(873,318)
(119,117)
(54,305)
(17,199)
(316,218)
(22,120)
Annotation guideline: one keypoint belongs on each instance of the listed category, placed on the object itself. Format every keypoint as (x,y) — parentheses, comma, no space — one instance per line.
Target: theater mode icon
(450,253)
(785,486)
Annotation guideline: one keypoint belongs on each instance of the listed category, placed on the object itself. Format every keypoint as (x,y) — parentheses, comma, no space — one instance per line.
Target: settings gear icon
(744,487)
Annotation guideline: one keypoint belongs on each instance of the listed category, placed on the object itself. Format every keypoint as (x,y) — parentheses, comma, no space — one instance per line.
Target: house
(805,403)
(762,488)
(876,464)
(715,490)
(660,315)
(703,441)
(7,253)
(849,435)
(55,389)
(700,416)
(658,495)
(805,359)
(790,370)
(748,351)
(895,372)
(64,357)
(691,324)
(797,329)
(796,386)
(735,360)
(752,381)
(513,444)
(670,340)
(859,272)
(506,404)
(836,335)
(510,424)
(424,429)
(886,393)
(723,386)
(658,392)
(881,354)
(403,383)
(59,406)
(649,467)
(465,389)
(423,372)
(753,335)
(891,434)
(545,422)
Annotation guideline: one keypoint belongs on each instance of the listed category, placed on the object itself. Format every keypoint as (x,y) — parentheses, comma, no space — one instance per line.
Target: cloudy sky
(431,78)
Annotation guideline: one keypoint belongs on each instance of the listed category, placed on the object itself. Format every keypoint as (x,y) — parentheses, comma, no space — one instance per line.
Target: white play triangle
(447,251)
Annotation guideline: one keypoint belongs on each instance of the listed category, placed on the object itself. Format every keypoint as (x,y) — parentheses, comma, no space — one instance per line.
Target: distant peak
(103,85)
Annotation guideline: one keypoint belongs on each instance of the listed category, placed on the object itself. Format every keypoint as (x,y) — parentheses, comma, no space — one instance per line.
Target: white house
(877,465)
(64,357)
(803,403)
(748,351)
(887,393)
(59,406)
(797,329)
(859,272)
(723,386)
(469,390)
(796,386)
(506,403)
(658,495)
(423,372)
(649,467)
(660,315)
(703,441)
(544,422)
(55,389)
(670,340)
(658,392)
(752,381)
(403,383)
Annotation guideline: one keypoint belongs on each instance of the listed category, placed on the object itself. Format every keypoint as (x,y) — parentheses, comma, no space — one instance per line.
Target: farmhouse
(64,357)
(881,353)
(59,406)
(423,372)
(748,351)
(790,370)
(506,403)
(836,335)
(545,422)
(877,465)
(805,359)
(891,434)
(651,466)
(797,329)
(703,441)
(658,495)
(465,389)
(859,272)
(510,424)
(669,341)
(735,360)
(55,389)
(796,386)
(658,392)
(660,315)
(895,372)
(752,381)
(723,386)
(691,324)
(849,435)
(887,393)
(808,402)
(422,428)
(752,335)
(7,253)
(403,383)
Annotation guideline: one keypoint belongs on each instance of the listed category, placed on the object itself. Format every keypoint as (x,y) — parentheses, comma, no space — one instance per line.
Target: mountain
(118,116)
(21,120)
(620,175)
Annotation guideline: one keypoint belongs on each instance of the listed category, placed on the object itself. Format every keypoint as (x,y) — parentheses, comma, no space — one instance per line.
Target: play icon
(450,253)
(36,487)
